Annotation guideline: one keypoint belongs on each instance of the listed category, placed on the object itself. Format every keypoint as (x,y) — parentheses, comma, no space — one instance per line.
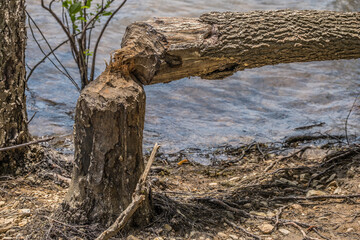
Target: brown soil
(259,192)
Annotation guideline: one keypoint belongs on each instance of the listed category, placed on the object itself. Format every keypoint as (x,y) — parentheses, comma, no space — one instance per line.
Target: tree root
(242,229)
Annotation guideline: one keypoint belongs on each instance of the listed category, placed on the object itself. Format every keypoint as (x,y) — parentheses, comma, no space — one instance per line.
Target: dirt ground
(259,191)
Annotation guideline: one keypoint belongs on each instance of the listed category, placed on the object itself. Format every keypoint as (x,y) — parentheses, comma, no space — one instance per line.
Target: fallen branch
(301,151)
(226,206)
(137,199)
(74,227)
(244,151)
(258,147)
(277,218)
(58,177)
(320,174)
(336,156)
(300,168)
(317,232)
(26,144)
(302,231)
(242,229)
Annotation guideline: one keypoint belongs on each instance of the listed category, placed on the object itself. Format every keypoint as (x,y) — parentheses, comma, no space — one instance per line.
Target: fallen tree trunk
(218,44)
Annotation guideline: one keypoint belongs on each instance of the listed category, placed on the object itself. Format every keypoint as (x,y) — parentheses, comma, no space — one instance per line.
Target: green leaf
(75,8)
(88,53)
(65,4)
(88,3)
(106,13)
(73,19)
(81,18)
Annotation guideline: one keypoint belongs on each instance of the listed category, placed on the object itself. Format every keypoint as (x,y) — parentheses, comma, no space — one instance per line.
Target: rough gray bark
(218,44)
(13,117)
(109,126)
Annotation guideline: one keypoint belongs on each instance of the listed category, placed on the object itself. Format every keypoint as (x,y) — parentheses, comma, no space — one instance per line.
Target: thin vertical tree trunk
(13,117)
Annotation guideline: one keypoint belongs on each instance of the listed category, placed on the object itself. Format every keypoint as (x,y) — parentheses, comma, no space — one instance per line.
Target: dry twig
(26,144)
(347,120)
(137,199)
(58,177)
(224,205)
(75,228)
(302,150)
(317,232)
(242,229)
(277,218)
(306,237)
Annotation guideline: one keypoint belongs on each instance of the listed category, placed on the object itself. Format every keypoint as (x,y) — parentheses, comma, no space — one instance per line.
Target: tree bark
(109,126)
(13,116)
(216,45)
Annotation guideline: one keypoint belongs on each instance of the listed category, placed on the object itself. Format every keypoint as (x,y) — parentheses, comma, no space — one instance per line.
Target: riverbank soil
(259,191)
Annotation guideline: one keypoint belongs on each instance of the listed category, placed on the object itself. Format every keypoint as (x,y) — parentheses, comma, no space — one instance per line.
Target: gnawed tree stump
(108,151)
(110,112)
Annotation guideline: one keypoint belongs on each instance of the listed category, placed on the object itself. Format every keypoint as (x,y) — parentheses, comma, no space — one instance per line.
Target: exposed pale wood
(218,44)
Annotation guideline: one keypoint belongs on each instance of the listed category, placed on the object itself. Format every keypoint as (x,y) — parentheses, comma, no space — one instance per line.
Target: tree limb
(70,37)
(48,54)
(66,73)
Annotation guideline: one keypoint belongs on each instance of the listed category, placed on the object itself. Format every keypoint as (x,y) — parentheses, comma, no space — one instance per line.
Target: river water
(264,104)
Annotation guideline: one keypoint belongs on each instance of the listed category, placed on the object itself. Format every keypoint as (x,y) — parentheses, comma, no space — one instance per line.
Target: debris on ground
(259,192)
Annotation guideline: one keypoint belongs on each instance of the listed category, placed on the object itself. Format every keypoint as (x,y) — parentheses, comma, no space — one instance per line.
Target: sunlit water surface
(264,104)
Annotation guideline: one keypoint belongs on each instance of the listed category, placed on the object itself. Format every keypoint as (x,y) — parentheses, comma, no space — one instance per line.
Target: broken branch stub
(216,45)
